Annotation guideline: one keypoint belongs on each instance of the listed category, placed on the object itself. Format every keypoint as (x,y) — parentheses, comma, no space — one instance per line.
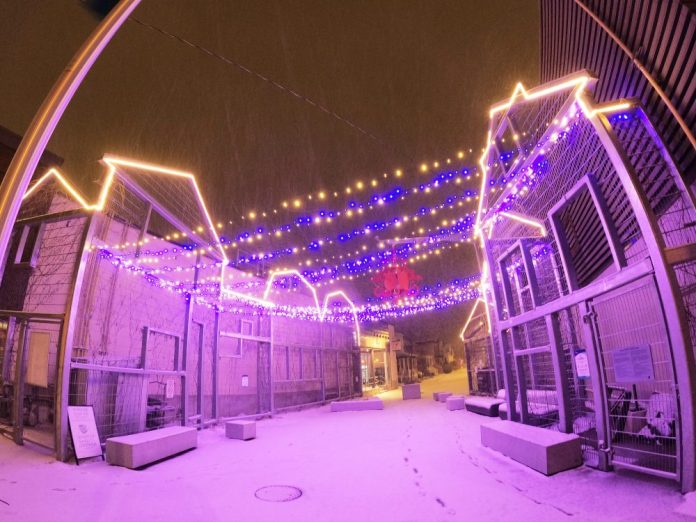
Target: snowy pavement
(413,461)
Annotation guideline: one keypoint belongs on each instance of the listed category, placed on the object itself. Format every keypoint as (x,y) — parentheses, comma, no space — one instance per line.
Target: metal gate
(639,415)
(28,376)
(481,366)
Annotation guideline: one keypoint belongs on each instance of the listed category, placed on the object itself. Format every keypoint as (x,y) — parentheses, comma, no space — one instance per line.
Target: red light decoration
(396,281)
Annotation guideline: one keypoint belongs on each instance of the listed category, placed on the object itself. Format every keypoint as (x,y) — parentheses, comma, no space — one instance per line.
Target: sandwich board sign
(83,430)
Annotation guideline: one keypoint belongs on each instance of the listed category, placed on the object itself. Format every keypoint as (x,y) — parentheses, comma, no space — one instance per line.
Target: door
(640,410)
(28,378)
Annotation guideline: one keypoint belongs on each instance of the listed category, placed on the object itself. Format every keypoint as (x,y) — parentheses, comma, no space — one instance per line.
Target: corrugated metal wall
(662,36)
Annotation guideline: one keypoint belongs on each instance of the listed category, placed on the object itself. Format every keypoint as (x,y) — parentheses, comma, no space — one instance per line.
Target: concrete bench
(544,450)
(455,402)
(487,406)
(410,391)
(373,403)
(240,429)
(441,396)
(139,449)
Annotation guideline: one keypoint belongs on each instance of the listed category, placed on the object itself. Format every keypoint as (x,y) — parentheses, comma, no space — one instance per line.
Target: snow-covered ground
(413,461)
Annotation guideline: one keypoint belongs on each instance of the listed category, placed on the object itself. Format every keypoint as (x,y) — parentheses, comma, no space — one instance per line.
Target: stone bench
(373,403)
(455,402)
(441,396)
(410,391)
(139,449)
(544,450)
(487,406)
(240,429)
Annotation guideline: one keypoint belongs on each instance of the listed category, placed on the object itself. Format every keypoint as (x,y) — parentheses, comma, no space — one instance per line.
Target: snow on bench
(139,449)
(240,429)
(373,403)
(544,450)
(455,402)
(441,396)
(540,403)
(410,391)
(483,405)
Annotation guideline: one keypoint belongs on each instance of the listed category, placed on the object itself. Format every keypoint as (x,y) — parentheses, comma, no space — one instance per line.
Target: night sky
(416,77)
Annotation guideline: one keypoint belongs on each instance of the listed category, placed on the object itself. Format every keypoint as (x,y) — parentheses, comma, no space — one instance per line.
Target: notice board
(633,364)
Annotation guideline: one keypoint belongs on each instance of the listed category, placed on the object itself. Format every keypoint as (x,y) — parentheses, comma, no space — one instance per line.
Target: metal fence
(584,324)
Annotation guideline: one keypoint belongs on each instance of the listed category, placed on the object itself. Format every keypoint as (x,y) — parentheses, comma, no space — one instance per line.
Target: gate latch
(589,317)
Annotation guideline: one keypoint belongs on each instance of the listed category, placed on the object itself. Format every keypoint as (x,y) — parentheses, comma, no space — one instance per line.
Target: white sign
(84,432)
(37,364)
(169,389)
(633,364)
(245,381)
(582,365)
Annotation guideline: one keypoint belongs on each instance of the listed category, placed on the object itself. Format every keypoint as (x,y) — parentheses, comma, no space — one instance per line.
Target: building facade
(379,348)
(587,258)
(128,305)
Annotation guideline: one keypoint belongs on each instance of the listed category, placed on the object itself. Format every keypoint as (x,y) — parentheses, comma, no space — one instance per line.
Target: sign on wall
(37,362)
(83,429)
(582,364)
(633,364)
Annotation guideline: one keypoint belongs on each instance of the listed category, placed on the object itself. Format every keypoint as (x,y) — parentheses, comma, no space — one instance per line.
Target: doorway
(636,370)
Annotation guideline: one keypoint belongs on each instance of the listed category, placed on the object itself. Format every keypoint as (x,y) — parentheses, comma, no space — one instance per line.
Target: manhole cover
(278,493)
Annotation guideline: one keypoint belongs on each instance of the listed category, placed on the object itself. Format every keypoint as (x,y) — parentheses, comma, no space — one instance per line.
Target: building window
(280,363)
(586,235)
(246,327)
(27,250)
(229,345)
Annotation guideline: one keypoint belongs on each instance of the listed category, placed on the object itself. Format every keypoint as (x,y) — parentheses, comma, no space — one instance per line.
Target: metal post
(521,385)
(271,359)
(508,377)
(144,381)
(65,347)
(216,338)
(18,405)
(598,387)
(188,317)
(338,374)
(467,345)
(30,150)
(323,375)
(565,417)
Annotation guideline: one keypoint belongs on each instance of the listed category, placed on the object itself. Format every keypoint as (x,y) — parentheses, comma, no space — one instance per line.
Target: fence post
(65,347)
